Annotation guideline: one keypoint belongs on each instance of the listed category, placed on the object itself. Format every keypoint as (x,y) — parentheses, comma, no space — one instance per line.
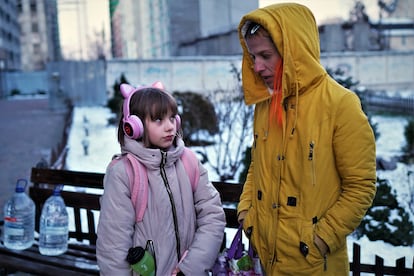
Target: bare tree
(235,130)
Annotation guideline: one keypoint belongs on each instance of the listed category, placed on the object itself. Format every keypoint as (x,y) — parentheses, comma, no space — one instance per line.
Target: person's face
(265,56)
(161,131)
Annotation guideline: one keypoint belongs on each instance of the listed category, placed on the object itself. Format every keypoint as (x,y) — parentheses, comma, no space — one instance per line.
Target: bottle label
(55,230)
(13,229)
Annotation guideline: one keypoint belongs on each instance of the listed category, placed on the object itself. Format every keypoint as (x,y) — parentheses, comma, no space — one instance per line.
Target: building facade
(207,28)
(162,28)
(39,33)
(9,37)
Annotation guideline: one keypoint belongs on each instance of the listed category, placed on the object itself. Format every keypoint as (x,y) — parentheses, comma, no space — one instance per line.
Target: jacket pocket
(307,247)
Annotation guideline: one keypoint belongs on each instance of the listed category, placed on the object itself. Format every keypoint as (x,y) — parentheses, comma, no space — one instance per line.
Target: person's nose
(258,66)
(169,125)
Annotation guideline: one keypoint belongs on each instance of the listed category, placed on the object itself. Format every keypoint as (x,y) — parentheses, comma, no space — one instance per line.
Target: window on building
(35,27)
(36,48)
(19,7)
(33,7)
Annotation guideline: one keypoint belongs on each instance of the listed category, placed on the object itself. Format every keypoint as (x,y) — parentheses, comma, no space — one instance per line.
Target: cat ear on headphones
(158,85)
(126,90)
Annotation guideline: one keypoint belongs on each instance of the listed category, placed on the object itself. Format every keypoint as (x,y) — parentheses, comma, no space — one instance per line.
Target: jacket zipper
(171,197)
(310,158)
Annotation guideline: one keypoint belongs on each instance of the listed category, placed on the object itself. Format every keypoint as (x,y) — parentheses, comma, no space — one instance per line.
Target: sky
(79,20)
(103,144)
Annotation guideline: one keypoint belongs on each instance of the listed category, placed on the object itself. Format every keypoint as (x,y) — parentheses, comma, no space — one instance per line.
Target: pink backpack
(138,178)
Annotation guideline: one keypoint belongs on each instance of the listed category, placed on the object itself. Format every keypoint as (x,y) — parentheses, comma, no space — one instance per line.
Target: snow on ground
(90,125)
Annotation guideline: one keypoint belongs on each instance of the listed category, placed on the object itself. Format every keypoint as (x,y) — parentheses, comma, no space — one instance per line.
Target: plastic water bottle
(54,230)
(19,219)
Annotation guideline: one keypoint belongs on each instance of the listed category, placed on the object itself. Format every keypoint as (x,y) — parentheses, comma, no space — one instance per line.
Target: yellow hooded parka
(314,174)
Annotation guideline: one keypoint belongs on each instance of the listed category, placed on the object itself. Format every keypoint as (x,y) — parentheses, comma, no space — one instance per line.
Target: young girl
(185,225)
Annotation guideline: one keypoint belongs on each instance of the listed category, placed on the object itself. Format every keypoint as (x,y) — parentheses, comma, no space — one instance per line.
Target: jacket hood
(294,31)
(151,158)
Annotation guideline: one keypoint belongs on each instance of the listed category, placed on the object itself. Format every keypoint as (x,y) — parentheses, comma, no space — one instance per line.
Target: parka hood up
(298,45)
(314,174)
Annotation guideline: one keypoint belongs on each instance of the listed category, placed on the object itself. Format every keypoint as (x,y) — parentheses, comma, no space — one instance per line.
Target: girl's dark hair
(151,103)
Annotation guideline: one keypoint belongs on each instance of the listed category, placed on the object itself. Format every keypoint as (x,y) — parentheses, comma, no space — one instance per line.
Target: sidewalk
(29,131)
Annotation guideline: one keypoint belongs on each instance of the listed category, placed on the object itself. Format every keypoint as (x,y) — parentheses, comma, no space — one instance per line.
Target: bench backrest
(230,195)
(86,204)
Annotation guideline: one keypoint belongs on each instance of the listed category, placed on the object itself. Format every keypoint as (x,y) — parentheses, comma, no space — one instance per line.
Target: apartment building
(9,36)
(39,33)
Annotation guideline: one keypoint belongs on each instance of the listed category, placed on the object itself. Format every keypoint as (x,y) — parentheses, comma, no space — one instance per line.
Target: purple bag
(235,261)
(236,248)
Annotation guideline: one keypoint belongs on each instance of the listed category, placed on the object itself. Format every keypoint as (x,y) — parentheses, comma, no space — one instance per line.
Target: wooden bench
(83,206)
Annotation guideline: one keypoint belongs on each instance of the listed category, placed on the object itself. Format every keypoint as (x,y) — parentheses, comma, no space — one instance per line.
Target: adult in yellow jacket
(312,175)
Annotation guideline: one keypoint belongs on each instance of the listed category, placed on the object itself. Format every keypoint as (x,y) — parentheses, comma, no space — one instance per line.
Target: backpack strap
(138,185)
(190,163)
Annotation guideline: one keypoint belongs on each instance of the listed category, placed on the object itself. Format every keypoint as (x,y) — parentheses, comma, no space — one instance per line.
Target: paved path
(29,130)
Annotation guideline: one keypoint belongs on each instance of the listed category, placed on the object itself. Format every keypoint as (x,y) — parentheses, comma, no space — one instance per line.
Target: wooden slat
(72,178)
(230,192)
(231,218)
(72,199)
(91,227)
(78,224)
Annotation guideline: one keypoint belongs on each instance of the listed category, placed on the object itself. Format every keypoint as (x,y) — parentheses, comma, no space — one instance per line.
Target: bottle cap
(19,186)
(57,190)
(135,254)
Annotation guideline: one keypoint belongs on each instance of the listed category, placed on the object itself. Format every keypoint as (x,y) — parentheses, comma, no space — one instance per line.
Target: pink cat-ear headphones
(132,124)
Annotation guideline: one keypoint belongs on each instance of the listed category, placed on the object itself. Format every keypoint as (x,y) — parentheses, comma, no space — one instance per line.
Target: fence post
(379,266)
(400,265)
(356,260)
